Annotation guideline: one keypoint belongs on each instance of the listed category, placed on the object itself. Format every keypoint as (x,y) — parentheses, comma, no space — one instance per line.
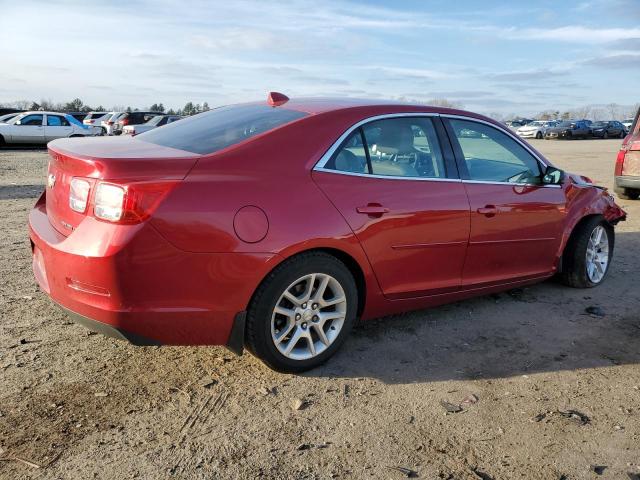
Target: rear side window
(396,147)
(220,128)
(56,121)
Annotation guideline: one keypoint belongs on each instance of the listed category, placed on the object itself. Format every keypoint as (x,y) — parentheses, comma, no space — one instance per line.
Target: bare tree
(614,110)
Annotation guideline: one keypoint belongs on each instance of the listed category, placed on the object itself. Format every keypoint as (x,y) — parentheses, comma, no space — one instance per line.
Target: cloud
(620,62)
(576,34)
(534,74)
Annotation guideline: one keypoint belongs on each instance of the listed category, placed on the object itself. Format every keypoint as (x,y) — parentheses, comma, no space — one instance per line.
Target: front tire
(302,312)
(539,135)
(588,254)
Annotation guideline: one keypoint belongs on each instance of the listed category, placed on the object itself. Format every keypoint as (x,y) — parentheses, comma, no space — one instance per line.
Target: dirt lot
(78,405)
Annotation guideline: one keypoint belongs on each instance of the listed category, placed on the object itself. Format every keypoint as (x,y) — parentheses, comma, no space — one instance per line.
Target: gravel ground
(547,391)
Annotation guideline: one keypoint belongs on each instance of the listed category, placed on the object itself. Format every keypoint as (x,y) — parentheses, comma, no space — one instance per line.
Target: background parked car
(80,116)
(627,171)
(95,119)
(608,128)
(569,129)
(133,118)
(536,129)
(627,124)
(7,117)
(155,122)
(109,121)
(42,127)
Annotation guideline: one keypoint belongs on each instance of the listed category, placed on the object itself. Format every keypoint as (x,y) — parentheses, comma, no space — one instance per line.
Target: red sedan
(275,225)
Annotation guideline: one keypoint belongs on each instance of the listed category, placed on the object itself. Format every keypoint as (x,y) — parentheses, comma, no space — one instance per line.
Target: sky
(492,56)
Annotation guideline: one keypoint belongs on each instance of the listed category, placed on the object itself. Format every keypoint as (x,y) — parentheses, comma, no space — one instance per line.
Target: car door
(516,221)
(29,129)
(57,127)
(397,187)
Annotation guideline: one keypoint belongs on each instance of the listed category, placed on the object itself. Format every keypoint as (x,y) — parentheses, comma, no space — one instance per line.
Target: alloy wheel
(308,316)
(597,254)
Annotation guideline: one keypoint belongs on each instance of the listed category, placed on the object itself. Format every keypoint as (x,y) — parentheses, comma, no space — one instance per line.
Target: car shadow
(543,328)
(13,192)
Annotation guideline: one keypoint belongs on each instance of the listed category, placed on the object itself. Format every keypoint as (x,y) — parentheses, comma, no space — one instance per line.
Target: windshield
(566,124)
(220,128)
(599,124)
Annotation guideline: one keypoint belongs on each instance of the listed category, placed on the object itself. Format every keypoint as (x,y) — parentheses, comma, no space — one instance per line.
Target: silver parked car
(155,122)
(42,127)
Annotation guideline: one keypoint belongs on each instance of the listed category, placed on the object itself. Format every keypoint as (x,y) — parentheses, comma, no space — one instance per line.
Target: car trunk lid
(107,159)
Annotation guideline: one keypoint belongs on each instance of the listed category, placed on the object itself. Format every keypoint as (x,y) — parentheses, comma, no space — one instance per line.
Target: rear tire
(539,135)
(2,142)
(587,256)
(289,307)
(605,135)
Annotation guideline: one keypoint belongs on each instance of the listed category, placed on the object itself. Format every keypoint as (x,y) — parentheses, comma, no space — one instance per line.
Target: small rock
(595,310)
(618,427)
(576,416)
(539,417)
(100,394)
(470,399)
(27,297)
(450,407)
(407,472)
(598,469)
(208,382)
(303,446)
(23,341)
(299,404)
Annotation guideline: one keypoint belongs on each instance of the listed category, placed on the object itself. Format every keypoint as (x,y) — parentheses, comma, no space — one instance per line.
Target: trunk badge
(51,180)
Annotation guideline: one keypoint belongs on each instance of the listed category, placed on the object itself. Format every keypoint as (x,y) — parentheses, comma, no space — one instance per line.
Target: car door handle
(488,210)
(373,210)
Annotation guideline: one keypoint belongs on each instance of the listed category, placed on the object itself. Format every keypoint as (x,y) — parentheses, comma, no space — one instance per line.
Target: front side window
(31,120)
(394,147)
(493,156)
(220,128)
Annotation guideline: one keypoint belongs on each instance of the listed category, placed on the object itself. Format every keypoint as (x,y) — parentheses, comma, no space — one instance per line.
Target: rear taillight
(79,194)
(129,203)
(109,122)
(124,121)
(620,161)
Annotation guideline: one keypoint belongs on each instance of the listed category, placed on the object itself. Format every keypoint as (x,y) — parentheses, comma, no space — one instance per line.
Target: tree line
(77,105)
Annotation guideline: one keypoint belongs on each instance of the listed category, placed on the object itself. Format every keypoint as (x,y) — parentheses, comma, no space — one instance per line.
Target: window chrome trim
(389,177)
(329,153)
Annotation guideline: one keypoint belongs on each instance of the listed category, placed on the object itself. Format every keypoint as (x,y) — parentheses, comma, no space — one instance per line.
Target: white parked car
(7,117)
(42,127)
(155,122)
(627,123)
(535,129)
(109,121)
(94,119)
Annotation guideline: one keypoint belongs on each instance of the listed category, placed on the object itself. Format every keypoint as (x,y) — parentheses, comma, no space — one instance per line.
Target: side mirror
(552,176)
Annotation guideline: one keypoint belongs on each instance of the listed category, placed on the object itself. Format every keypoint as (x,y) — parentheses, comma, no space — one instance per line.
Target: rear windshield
(96,115)
(220,128)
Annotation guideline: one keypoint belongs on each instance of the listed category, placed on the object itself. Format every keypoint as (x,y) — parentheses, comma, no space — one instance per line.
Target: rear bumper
(627,181)
(131,283)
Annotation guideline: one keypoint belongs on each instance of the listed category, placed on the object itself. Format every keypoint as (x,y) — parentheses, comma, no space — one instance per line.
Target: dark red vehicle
(275,225)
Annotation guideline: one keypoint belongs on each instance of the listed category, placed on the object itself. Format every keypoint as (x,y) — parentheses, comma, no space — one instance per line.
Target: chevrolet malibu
(275,225)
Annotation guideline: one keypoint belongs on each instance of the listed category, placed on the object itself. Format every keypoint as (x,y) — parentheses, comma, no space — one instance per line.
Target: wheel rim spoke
(303,323)
(597,255)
